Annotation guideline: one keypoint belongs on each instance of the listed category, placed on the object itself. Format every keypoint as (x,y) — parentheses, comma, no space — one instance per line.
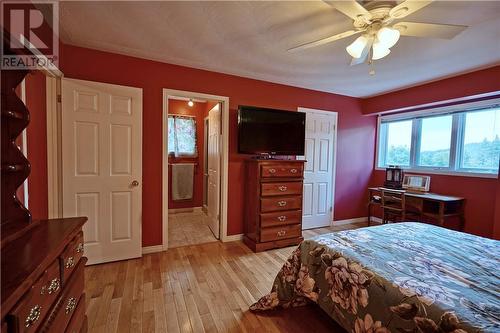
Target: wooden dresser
(43,278)
(273,203)
(42,281)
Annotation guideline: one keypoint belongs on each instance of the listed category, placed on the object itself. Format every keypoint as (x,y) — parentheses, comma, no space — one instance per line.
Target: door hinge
(59,98)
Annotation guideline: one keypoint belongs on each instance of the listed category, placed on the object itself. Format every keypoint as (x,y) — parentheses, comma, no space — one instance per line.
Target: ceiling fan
(375,20)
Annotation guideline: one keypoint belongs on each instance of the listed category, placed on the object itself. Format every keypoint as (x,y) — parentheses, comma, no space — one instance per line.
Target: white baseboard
(357,220)
(350,221)
(184,210)
(152,249)
(233,238)
(376,220)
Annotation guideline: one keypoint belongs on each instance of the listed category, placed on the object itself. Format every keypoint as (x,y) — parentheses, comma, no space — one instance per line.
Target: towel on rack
(182,181)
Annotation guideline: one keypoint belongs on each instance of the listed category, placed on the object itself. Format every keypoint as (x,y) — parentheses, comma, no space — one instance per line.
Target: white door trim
(333,114)
(54,156)
(204,204)
(168,93)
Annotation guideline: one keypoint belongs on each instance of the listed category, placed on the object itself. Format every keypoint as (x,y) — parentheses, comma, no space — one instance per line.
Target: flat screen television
(270,131)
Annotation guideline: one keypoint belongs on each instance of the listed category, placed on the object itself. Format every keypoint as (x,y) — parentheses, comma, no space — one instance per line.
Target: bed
(404,277)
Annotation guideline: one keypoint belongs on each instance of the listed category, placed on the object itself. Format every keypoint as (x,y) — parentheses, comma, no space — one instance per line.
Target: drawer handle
(282,203)
(33,316)
(283,188)
(293,170)
(70,306)
(79,248)
(272,170)
(282,218)
(70,262)
(281,233)
(53,286)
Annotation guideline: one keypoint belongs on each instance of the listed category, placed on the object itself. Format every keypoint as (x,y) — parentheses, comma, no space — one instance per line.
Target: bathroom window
(182,136)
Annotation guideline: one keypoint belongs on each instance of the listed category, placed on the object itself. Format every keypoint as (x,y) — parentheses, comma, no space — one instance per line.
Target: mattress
(404,277)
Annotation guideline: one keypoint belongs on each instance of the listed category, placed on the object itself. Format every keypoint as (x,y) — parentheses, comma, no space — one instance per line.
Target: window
(481,144)
(435,142)
(182,136)
(456,141)
(398,142)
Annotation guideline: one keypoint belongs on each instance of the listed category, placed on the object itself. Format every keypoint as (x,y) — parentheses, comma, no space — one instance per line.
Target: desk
(427,205)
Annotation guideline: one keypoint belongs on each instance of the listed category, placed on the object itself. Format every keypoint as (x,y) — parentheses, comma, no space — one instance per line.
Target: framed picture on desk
(416,183)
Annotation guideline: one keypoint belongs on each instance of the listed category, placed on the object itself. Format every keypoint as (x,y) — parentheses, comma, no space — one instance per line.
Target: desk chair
(393,206)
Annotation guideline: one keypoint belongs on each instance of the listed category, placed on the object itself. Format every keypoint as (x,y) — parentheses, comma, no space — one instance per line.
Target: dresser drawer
(281,232)
(280,188)
(280,203)
(280,218)
(78,317)
(282,170)
(27,315)
(71,255)
(67,305)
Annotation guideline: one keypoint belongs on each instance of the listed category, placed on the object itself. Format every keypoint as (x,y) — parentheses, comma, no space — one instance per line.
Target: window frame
(458,113)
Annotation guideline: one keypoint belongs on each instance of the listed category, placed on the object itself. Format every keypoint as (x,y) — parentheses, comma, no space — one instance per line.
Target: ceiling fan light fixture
(388,37)
(355,49)
(379,51)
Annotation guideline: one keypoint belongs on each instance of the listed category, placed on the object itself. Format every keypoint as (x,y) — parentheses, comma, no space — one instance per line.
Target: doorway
(194,172)
(319,170)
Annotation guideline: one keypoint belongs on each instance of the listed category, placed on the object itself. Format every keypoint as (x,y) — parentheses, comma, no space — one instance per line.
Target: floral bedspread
(404,277)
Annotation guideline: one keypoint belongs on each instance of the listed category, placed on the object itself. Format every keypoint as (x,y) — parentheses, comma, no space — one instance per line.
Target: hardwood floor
(199,288)
(189,229)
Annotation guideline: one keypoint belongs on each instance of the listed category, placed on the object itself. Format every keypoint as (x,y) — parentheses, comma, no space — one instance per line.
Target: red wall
(356,133)
(197,110)
(37,144)
(480,193)
(471,84)
(496,223)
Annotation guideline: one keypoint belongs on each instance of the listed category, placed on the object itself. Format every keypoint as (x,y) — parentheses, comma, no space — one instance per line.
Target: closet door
(102,166)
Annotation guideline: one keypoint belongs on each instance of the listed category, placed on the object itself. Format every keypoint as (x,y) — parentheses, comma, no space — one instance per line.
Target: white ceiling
(250,39)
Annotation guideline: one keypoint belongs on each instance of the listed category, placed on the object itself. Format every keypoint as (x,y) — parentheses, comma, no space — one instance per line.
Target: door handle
(134,183)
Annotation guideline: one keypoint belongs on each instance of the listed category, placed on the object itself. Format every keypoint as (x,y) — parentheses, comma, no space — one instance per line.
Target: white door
(319,170)
(205,164)
(214,137)
(102,166)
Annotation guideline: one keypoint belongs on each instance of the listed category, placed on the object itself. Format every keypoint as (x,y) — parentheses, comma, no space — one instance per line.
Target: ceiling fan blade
(364,54)
(432,30)
(324,40)
(350,8)
(407,8)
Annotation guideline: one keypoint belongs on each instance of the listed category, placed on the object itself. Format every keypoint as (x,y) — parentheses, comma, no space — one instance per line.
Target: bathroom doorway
(193,169)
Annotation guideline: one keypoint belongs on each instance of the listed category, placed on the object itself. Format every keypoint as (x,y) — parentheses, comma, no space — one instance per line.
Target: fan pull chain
(372,67)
